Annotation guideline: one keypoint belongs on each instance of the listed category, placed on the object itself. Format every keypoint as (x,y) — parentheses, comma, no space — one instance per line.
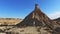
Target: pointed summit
(35,18)
(36,6)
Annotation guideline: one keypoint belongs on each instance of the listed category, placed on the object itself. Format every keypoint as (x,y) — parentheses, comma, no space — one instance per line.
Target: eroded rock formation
(35,18)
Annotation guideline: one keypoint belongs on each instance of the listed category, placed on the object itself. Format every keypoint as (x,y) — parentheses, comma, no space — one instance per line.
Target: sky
(21,8)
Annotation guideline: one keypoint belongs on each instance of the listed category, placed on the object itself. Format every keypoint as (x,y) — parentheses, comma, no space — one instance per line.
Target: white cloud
(54,15)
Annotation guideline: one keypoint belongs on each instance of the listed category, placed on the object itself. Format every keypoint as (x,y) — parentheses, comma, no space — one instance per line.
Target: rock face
(35,18)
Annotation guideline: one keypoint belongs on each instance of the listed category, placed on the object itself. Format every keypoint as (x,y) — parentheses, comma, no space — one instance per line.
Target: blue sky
(21,8)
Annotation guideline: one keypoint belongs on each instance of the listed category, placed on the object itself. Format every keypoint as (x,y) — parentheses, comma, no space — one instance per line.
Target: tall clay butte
(35,18)
(38,19)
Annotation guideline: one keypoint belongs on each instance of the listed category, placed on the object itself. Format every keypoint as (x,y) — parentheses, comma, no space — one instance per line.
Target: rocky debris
(28,30)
